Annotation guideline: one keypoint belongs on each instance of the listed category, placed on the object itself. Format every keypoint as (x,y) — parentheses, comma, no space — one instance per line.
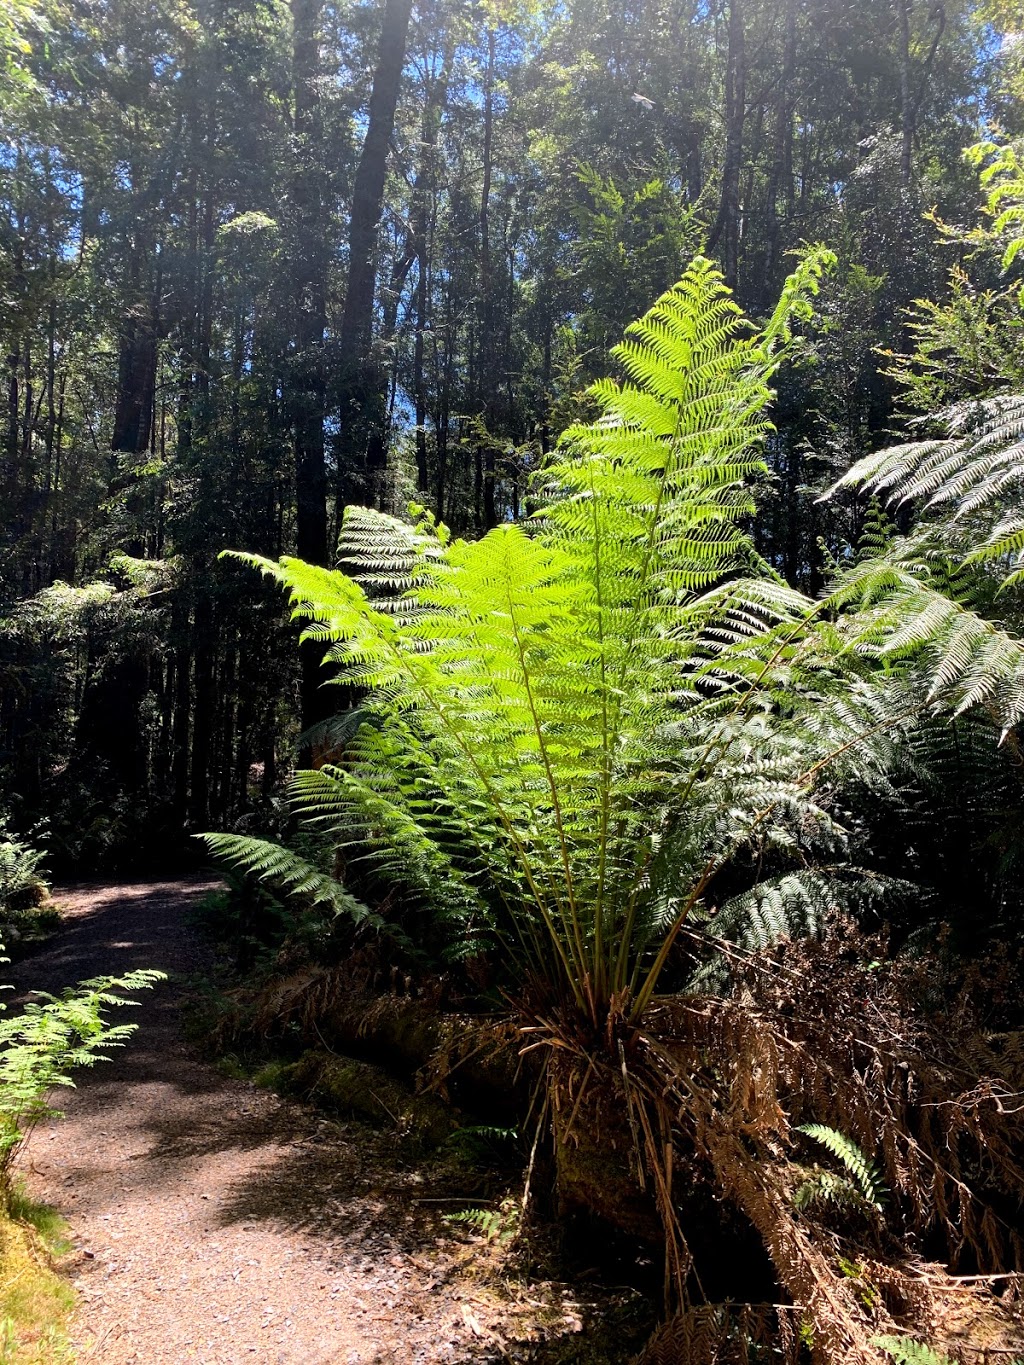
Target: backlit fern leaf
(864,1172)
(270,862)
(972,480)
(560,741)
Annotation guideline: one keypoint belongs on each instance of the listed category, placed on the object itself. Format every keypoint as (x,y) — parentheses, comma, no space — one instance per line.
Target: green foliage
(21,22)
(865,1183)
(282,867)
(800,903)
(633,241)
(963,345)
(1003,177)
(907,1351)
(79,671)
(967,483)
(482,1144)
(564,738)
(47,1041)
(248,920)
(499,1224)
(939,605)
(22,883)
(876,533)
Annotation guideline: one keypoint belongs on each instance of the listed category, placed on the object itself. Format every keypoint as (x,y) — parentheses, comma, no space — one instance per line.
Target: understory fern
(499,1224)
(865,1179)
(907,1351)
(53,1036)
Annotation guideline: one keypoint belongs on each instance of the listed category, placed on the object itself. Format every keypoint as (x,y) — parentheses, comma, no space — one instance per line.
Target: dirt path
(216,1223)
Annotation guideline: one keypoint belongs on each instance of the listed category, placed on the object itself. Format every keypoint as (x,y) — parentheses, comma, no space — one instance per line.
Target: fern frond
(270,862)
(828,1188)
(864,1172)
(907,1351)
(969,483)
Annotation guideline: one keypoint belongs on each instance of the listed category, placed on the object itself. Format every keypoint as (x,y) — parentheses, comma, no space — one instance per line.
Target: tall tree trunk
(308,272)
(136,379)
(309,268)
(726,229)
(486,363)
(181,634)
(906,96)
(205,700)
(424,192)
(363,408)
(12,442)
(780,176)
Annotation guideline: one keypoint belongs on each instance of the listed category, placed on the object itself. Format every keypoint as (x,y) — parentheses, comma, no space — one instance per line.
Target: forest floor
(218,1223)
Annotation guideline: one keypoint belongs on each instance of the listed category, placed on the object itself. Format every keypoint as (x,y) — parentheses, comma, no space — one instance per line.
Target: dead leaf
(473,1322)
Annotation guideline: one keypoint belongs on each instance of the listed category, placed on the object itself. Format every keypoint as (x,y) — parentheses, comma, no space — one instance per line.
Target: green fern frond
(968,483)
(800,904)
(907,1351)
(864,1172)
(270,862)
(828,1188)
(497,1224)
(905,613)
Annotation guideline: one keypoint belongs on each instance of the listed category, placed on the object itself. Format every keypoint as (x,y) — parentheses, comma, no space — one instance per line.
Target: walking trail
(217,1223)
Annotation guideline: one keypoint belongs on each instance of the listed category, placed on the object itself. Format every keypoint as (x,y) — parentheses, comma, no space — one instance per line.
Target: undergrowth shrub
(42,1046)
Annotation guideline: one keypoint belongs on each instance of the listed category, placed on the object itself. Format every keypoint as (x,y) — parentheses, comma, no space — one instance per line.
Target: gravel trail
(217,1223)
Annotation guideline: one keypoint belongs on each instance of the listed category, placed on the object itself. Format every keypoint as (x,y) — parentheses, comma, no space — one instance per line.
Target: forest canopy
(259,262)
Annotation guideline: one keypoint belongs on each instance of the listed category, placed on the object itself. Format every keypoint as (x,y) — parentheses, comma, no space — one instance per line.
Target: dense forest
(627,395)
(261,263)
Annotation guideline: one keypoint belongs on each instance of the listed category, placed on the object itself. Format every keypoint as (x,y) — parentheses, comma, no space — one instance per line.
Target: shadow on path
(217,1223)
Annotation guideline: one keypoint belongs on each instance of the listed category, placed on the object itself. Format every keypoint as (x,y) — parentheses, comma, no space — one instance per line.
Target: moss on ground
(35,1302)
(348,1086)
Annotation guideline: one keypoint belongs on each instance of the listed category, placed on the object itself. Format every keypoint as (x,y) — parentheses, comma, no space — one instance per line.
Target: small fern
(865,1178)
(825,1187)
(497,1225)
(52,1037)
(907,1351)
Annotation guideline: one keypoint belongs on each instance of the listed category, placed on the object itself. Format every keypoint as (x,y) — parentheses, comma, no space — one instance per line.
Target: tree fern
(571,727)
(941,604)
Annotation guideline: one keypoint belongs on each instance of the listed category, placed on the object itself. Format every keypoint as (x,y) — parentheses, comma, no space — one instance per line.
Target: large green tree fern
(942,603)
(574,731)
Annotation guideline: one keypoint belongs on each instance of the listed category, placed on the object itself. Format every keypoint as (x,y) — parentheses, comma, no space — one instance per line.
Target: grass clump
(35,1302)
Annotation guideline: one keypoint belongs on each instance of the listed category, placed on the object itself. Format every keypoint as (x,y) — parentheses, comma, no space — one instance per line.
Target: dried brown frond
(713,1089)
(727,1334)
